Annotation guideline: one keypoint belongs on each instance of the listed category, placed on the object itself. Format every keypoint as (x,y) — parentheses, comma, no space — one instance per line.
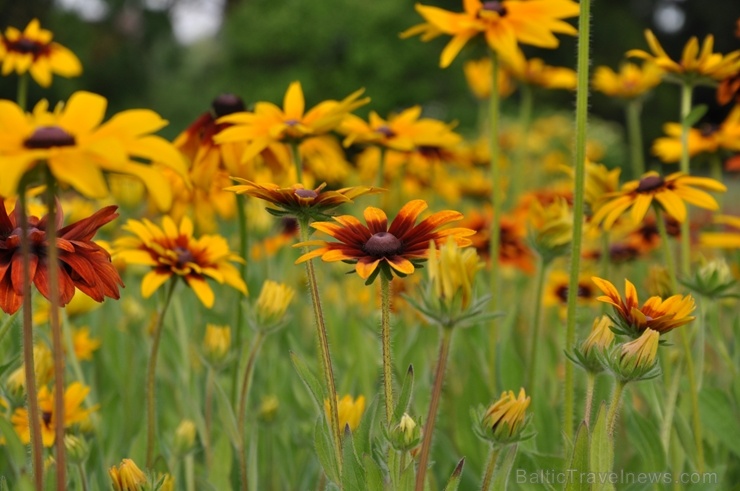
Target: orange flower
(374,247)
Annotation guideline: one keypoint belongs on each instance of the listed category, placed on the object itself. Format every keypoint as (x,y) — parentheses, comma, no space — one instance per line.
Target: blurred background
(174,56)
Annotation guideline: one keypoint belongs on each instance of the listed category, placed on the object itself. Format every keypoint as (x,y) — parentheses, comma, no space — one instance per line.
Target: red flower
(83,263)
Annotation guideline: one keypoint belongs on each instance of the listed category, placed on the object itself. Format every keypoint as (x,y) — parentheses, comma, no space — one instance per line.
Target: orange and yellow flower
(33,51)
(397,249)
(173,252)
(630,82)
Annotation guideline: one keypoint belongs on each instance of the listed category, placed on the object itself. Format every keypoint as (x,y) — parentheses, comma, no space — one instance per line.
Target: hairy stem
(634,130)
(611,414)
(242,414)
(385,334)
(490,467)
(667,251)
(297,161)
(590,384)
(535,332)
(686,94)
(520,161)
(241,203)
(496,201)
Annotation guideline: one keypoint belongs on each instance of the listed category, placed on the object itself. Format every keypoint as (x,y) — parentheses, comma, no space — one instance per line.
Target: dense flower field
(306,294)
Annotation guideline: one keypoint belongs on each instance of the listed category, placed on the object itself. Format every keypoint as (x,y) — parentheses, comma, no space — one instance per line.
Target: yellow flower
(268,408)
(184,437)
(74,413)
(77,148)
(350,411)
(707,138)
(556,290)
(505,418)
(552,227)
(33,51)
(174,252)
(269,124)
(83,344)
(273,302)
(478,74)
(704,63)
(601,336)
(503,24)
(640,353)
(216,342)
(127,476)
(724,240)
(452,272)
(630,82)
(670,192)
(534,71)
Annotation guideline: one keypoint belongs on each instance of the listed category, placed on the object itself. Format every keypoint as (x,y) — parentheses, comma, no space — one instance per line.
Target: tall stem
(326,366)
(56,330)
(297,161)
(242,415)
(426,444)
(611,414)
(22,97)
(686,93)
(34,417)
(525,120)
(694,393)
(634,130)
(535,332)
(590,385)
(667,252)
(496,201)
(584,36)
(151,372)
(243,252)
(490,466)
(385,334)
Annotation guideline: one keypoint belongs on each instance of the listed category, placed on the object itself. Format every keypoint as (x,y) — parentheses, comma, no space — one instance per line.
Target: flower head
(505,420)
(656,314)
(478,74)
(216,343)
(729,239)
(272,303)
(174,252)
(601,336)
(83,263)
(630,82)
(452,271)
(376,246)
(77,146)
(127,476)
(350,411)
(406,434)
(639,354)
(504,24)
(707,138)
(33,51)
(534,71)
(670,192)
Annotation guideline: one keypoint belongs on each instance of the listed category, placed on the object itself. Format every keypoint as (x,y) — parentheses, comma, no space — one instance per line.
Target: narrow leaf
(695,115)
(353,475)
(456,476)
(309,379)
(578,461)
(404,398)
(227,416)
(324,450)
(373,474)
(602,451)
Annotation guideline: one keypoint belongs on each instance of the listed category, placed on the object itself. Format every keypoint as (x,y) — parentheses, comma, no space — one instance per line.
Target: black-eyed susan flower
(350,411)
(297,201)
(173,252)
(706,139)
(78,146)
(657,314)
(269,124)
(84,264)
(83,344)
(729,239)
(556,290)
(33,51)
(694,61)
(669,192)
(376,247)
(74,413)
(127,476)
(43,367)
(630,82)
(551,228)
(534,71)
(478,74)
(503,24)
(505,420)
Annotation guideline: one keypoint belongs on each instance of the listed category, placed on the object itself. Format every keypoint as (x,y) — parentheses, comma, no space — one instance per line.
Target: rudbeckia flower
(504,24)
(77,146)
(505,419)
(630,82)
(74,412)
(693,61)
(513,248)
(707,138)
(670,192)
(534,71)
(656,314)
(269,124)
(83,263)
(556,290)
(376,246)
(174,252)
(33,51)
(478,75)
(726,240)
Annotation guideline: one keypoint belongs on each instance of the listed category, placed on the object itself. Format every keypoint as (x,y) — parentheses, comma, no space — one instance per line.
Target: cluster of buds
(504,422)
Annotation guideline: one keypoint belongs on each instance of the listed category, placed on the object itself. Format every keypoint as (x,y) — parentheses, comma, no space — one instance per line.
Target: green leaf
(223,456)
(404,398)
(373,474)
(324,449)
(16,449)
(602,451)
(720,417)
(408,477)
(456,476)
(503,468)
(579,461)
(309,379)
(226,414)
(645,436)
(695,115)
(353,475)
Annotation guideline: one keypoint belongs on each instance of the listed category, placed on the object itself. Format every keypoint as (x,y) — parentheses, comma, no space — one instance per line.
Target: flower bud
(184,437)
(268,408)
(350,411)
(452,272)
(406,434)
(640,354)
(505,420)
(127,476)
(598,341)
(713,280)
(77,449)
(216,343)
(272,303)
(552,228)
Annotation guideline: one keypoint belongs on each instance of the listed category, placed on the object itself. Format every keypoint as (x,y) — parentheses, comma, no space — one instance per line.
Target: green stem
(240,314)
(426,445)
(694,394)
(23,91)
(385,334)
(584,29)
(490,466)
(326,365)
(520,162)
(534,337)
(670,409)
(590,385)
(634,130)
(715,172)
(611,414)
(686,93)
(297,161)
(34,417)
(242,414)
(667,252)
(151,372)
(208,417)
(83,476)
(719,343)
(496,201)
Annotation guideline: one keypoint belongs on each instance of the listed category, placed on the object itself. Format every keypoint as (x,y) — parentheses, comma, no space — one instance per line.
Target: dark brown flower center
(48,137)
(386,131)
(46,418)
(497,7)
(650,183)
(226,104)
(708,129)
(184,256)
(561,292)
(306,193)
(26,46)
(383,244)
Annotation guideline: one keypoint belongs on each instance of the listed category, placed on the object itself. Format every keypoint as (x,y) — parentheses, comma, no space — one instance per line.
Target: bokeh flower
(630,82)
(479,75)
(729,239)
(534,71)
(83,344)
(272,303)
(216,343)
(33,51)
(350,411)
(174,252)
